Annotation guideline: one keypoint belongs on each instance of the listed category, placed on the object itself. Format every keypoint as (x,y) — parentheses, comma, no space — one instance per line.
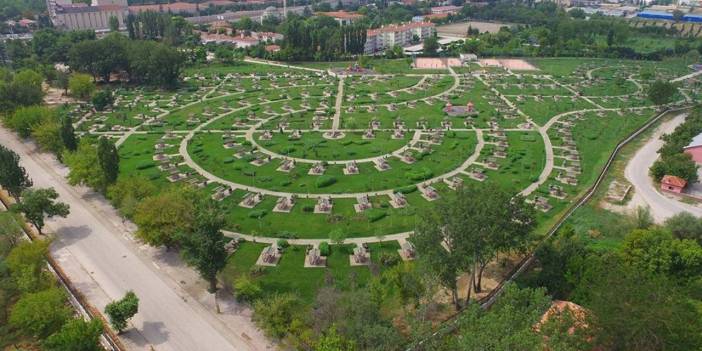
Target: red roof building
(272,48)
(673,184)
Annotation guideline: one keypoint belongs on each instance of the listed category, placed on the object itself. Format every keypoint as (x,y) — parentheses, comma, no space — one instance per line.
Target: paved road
(103,262)
(646,193)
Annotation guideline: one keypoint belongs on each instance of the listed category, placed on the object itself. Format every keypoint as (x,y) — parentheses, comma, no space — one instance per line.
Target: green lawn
(290,275)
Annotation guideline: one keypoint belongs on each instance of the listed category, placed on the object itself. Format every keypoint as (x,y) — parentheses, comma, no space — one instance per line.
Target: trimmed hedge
(324,248)
(324,181)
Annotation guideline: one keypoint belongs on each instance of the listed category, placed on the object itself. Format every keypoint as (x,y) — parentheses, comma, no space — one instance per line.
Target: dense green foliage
(149,25)
(476,224)
(319,38)
(203,247)
(34,312)
(640,294)
(13,176)
(672,160)
(19,89)
(120,311)
(40,204)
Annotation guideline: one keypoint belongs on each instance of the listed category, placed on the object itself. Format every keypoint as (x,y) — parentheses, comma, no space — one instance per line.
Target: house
(272,48)
(673,184)
(694,149)
(342,17)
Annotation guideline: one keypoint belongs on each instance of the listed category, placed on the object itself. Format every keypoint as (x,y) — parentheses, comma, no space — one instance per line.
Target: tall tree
(122,310)
(204,246)
(76,335)
(474,225)
(662,92)
(114,24)
(42,313)
(430,241)
(161,218)
(431,45)
(27,265)
(81,86)
(47,135)
(68,134)
(13,177)
(108,159)
(39,204)
(84,166)
(25,89)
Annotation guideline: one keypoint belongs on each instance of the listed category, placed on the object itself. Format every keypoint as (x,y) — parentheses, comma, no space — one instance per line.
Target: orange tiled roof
(341,15)
(674,181)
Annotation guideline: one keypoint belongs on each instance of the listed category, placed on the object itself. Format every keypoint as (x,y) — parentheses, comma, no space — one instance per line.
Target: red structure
(673,184)
(694,149)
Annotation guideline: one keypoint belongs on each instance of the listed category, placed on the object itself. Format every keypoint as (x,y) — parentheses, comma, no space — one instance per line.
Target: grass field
(267,96)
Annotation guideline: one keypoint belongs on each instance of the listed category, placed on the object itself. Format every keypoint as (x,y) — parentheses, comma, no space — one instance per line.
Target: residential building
(96,16)
(403,34)
(673,184)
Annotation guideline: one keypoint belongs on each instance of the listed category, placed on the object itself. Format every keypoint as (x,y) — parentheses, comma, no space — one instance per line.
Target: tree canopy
(39,204)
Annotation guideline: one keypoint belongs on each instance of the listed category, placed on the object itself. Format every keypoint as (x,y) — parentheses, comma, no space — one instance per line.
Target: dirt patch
(436,63)
(511,64)
(56,96)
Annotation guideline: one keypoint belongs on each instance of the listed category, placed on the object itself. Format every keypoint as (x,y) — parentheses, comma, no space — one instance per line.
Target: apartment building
(380,39)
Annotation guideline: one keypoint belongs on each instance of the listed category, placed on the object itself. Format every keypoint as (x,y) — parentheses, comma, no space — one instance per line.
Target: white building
(385,37)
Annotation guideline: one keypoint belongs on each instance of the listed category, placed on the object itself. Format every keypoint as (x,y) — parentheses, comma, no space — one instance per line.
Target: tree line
(34,305)
(319,38)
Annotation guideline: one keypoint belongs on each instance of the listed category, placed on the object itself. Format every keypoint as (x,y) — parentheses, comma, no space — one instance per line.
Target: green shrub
(257,213)
(324,248)
(389,259)
(228,160)
(374,215)
(257,271)
(406,189)
(282,243)
(246,289)
(145,165)
(324,181)
(419,174)
(308,208)
(287,235)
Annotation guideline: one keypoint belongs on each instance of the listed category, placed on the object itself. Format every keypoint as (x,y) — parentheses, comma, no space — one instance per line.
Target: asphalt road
(646,191)
(103,262)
